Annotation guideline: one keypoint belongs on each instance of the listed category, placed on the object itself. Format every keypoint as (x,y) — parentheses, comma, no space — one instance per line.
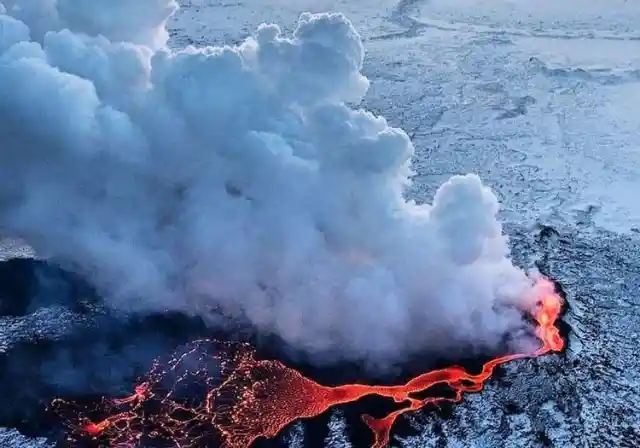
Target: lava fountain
(221,390)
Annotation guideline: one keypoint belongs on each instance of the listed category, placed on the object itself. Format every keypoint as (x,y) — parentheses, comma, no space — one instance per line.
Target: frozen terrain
(543,93)
(542,100)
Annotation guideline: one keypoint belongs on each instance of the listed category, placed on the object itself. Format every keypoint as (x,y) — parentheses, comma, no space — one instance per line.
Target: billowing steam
(238,182)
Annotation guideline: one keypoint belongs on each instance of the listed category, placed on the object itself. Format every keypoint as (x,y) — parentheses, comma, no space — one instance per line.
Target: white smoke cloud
(238,181)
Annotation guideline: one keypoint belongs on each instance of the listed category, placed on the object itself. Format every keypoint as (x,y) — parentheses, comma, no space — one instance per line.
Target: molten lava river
(221,391)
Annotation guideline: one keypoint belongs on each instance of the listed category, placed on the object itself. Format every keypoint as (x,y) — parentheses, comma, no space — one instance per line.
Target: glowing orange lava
(242,399)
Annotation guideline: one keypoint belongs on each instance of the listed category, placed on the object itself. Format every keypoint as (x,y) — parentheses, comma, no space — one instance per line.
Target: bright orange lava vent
(215,388)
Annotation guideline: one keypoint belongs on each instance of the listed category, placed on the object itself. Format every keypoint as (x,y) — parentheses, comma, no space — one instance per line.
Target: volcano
(85,355)
(106,132)
(258,398)
(211,392)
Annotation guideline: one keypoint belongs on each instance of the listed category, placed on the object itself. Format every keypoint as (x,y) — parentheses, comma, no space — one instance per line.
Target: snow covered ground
(539,98)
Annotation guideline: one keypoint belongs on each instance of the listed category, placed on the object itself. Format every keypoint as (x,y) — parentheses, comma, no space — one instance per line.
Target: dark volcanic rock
(27,284)
(103,357)
(57,340)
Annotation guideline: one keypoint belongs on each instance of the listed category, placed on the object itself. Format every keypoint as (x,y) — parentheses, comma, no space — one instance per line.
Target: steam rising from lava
(239,181)
(245,398)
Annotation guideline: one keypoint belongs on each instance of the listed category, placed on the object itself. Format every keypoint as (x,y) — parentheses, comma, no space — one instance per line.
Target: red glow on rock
(246,398)
(96,428)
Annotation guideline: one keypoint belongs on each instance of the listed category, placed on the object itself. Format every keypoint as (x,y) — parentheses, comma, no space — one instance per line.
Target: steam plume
(238,182)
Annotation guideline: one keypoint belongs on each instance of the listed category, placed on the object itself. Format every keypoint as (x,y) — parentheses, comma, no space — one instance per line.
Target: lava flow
(220,390)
